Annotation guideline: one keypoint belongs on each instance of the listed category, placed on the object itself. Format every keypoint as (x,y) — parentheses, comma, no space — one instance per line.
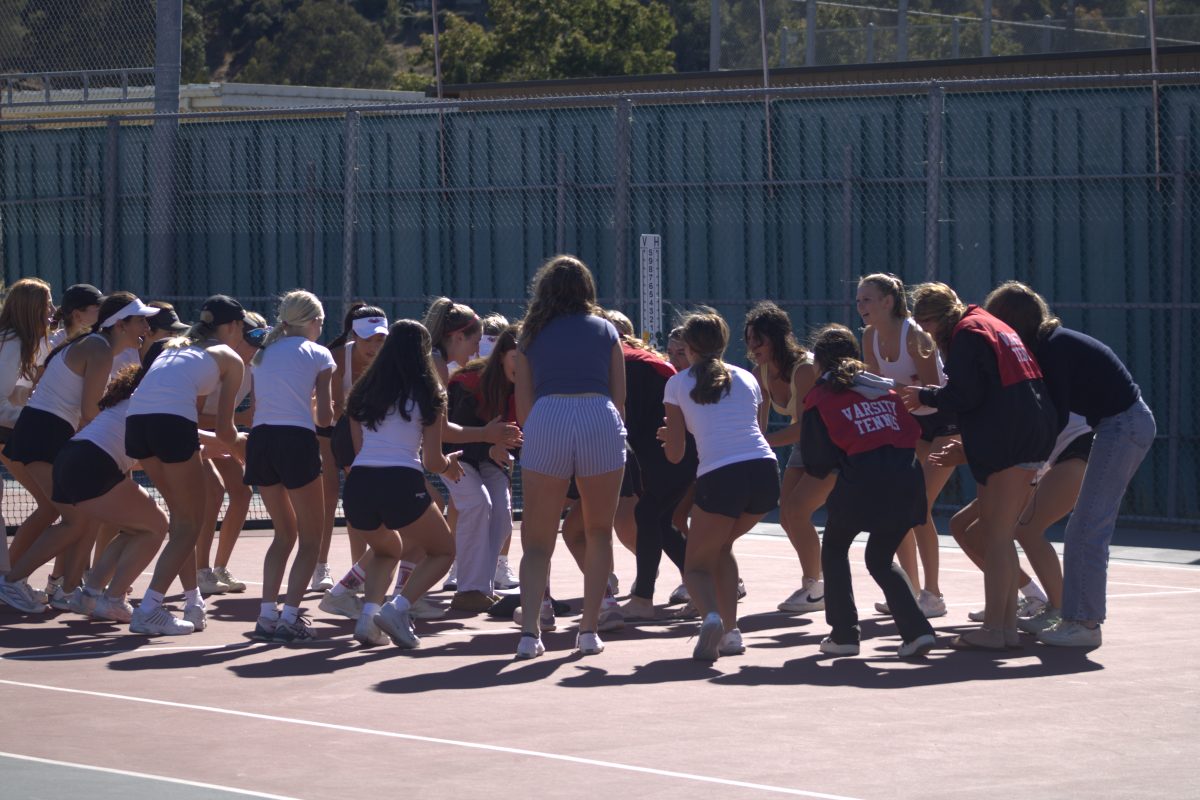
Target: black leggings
(840,611)
(655,532)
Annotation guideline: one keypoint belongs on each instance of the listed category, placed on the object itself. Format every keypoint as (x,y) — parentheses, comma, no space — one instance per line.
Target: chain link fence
(1084,187)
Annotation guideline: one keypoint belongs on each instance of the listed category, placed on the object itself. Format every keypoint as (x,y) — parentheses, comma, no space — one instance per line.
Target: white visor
(134,309)
(487,344)
(366,327)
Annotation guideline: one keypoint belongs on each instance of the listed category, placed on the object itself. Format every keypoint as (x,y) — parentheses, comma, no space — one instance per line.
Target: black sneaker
(298,631)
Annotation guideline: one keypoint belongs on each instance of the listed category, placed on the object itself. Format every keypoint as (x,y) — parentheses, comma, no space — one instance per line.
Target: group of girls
(1040,414)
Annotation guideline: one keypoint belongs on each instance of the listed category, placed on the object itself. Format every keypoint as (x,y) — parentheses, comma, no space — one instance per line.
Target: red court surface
(214,715)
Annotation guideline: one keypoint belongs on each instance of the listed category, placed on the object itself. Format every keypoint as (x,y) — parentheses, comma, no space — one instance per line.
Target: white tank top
(210,402)
(174,381)
(396,442)
(107,431)
(904,368)
(60,391)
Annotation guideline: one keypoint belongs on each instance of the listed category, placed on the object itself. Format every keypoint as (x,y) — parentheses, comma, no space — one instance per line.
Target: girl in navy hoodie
(855,424)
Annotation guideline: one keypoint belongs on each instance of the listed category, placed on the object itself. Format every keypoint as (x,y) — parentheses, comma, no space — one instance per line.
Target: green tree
(324,43)
(544,39)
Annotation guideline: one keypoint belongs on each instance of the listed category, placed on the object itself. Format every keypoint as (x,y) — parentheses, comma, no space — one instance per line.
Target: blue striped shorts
(573,435)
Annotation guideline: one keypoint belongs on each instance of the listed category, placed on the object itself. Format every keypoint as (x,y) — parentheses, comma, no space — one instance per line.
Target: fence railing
(1084,187)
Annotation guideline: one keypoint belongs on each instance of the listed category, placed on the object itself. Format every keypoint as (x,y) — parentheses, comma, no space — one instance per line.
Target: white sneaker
(425,609)
(917,647)
(588,644)
(504,578)
(1030,606)
(709,641)
(397,625)
(208,582)
(530,647)
(811,597)
(60,598)
(197,616)
(831,648)
(112,609)
(322,579)
(1039,622)
(346,604)
(451,582)
(679,596)
(611,618)
(931,605)
(368,633)
(546,619)
(1069,633)
(883,608)
(226,577)
(82,601)
(976,616)
(731,643)
(20,596)
(158,622)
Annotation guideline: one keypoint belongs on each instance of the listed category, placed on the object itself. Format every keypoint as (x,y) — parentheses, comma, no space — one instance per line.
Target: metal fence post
(933,179)
(1047,33)
(349,208)
(870,42)
(111,179)
(161,279)
(624,134)
(714,36)
(986,33)
(1174,401)
(310,225)
(560,204)
(810,33)
(902,31)
(955,36)
(847,224)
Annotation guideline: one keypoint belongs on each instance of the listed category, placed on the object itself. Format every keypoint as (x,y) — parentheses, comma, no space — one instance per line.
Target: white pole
(762,26)
(1154,92)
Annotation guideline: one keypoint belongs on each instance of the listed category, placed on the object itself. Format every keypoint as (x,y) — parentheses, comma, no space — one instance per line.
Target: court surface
(93,711)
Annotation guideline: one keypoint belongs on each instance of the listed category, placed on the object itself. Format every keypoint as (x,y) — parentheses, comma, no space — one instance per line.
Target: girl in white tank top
(905,354)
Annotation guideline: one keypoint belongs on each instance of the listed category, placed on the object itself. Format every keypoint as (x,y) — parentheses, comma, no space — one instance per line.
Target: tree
(544,39)
(324,43)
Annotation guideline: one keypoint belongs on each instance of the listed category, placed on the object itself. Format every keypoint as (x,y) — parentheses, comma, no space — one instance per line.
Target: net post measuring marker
(651,288)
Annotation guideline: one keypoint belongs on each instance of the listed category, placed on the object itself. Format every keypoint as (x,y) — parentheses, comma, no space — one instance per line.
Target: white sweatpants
(483,498)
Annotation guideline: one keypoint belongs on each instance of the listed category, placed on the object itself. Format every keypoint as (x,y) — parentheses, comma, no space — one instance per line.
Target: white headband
(487,343)
(135,308)
(366,327)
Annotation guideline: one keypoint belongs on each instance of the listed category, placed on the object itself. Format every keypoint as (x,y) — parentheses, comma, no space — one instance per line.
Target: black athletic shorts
(744,487)
(342,443)
(170,438)
(83,471)
(939,423)
(37,436)
(1080,447)
(286,454)
(384,497)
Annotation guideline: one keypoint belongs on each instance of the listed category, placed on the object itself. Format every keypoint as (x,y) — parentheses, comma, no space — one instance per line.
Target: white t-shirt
(726,431)
(395,443)
(174,381)
(10,364)
(284,381)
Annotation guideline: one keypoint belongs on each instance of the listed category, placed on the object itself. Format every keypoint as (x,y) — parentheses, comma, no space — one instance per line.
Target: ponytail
(835,349)
(706,334)
(712,381)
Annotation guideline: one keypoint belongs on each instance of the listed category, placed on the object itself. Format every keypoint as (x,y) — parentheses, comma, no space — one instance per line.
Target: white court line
(129,774)
(591,762)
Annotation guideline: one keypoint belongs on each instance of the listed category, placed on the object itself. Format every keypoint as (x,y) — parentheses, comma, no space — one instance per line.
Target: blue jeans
(1121,444)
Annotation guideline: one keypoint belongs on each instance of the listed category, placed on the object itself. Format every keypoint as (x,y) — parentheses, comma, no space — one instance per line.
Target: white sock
(370,609)
(401,602)
(289,614)
(406,568)
(192,598)
(268,611)
(350,581)
(1033,591)
(151,601)
(321,566)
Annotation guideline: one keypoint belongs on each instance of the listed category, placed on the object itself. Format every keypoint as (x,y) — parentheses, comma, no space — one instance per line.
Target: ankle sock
(268,611)
(192,598)
(1033,591)
(289,614)
(401,602)
(350,581)
(151,601)
(370,609)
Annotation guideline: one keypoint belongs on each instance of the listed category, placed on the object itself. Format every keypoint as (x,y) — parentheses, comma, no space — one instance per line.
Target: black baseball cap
(167,320)
(221,309)
(81,295)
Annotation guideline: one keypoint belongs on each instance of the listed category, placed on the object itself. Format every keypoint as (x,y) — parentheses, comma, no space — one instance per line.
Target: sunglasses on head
(255,336)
